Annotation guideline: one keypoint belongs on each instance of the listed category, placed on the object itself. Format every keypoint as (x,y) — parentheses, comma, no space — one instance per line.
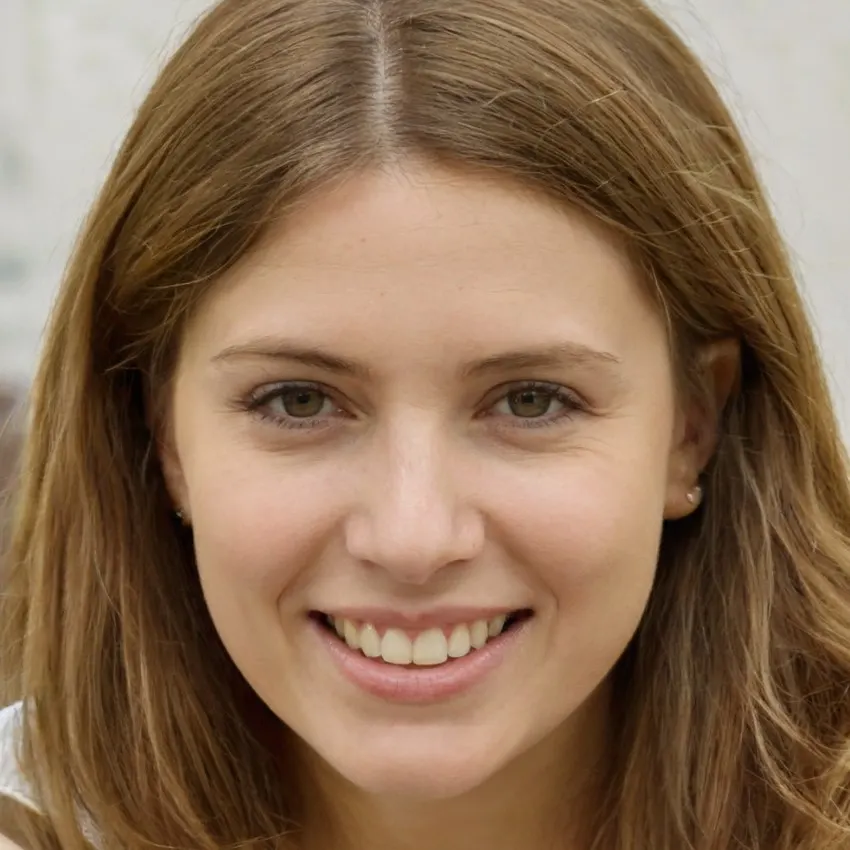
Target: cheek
(583,539)
(592,506)
(258,523)
(258,533)
(588,531)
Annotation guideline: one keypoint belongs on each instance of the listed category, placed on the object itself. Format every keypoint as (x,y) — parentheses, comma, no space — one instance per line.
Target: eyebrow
(541,357)
(535,357)
(269,348)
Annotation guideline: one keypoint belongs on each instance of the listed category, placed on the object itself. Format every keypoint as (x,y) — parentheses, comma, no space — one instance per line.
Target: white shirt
(12,782)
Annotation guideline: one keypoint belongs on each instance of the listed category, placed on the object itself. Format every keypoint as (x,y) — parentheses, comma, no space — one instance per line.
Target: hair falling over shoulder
(735,727)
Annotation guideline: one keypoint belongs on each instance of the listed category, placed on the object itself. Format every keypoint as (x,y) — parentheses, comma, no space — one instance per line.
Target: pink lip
(418,685)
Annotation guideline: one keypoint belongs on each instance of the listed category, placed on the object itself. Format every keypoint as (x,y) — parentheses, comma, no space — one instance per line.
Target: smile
(424,648)
(422,662)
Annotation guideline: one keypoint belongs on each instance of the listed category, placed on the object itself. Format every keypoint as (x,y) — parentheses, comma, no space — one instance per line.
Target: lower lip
(418,685)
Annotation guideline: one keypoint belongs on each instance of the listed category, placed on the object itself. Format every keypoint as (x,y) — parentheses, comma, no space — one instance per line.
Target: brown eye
(530,403)
(302,402)
(295,406)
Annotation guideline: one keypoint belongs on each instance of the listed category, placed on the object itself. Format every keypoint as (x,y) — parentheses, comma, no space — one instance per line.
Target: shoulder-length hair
(733,696)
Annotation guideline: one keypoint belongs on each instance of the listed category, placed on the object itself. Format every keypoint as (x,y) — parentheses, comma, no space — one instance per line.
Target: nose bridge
(412,518)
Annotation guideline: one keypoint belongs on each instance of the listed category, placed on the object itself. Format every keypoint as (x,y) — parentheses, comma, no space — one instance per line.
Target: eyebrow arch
(546,356)
(540,357)
(270,348)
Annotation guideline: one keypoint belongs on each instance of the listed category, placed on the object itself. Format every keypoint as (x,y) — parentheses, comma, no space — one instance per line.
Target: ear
(172,469)
(697,426)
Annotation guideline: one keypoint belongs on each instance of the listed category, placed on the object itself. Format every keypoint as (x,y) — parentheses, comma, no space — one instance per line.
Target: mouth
(439,646)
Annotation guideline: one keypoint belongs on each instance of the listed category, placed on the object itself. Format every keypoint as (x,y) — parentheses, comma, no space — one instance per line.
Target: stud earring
(181,516)
(694,496)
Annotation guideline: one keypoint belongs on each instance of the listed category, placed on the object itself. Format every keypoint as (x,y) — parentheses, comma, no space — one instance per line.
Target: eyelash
(259,399)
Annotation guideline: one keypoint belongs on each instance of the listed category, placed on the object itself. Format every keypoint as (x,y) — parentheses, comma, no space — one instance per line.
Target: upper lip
(418,620)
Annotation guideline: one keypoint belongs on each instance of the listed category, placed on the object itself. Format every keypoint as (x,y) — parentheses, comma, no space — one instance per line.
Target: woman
(430,449)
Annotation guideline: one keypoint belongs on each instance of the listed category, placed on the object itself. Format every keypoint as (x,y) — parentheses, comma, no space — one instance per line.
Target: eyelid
(267,392)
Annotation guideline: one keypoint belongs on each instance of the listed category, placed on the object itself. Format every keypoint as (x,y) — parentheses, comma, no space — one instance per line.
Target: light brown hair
(733,697)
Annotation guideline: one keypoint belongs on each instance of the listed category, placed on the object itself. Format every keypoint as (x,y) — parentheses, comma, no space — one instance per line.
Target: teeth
(495,626)
(370,641)
(429,648)
(352,635)
(478,634)
(396,647)
(459,644)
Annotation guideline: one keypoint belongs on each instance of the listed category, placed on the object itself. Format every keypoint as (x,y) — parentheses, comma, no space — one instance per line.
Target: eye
(536,404)
(293,405)
(299,402)
(530,402)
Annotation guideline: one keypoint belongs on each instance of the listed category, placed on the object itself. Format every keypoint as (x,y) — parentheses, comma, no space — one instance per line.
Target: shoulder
(12,781)
(6,844)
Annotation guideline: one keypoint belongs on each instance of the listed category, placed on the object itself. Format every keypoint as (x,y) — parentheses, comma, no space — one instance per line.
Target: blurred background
(73,71)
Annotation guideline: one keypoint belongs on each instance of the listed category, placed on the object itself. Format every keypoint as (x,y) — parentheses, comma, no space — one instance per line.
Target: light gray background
(72,71)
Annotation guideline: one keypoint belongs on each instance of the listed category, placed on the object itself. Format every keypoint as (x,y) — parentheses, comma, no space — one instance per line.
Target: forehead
(394,260)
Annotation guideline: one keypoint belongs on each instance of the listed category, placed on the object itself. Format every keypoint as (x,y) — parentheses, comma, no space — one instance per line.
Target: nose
(411,518)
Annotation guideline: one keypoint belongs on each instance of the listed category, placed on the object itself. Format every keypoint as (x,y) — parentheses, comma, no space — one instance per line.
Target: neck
(547,798)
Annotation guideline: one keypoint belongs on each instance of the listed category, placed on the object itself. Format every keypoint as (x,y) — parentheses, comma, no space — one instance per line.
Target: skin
(415,484)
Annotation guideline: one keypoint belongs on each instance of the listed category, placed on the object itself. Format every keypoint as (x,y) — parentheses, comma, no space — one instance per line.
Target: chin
(418,782)
(420,771)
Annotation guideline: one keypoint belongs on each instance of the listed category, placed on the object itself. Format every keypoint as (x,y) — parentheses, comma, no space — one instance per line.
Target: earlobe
(682,499)
(694,496)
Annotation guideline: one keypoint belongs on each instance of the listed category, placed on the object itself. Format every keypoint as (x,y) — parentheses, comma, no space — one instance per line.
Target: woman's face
(429,403)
